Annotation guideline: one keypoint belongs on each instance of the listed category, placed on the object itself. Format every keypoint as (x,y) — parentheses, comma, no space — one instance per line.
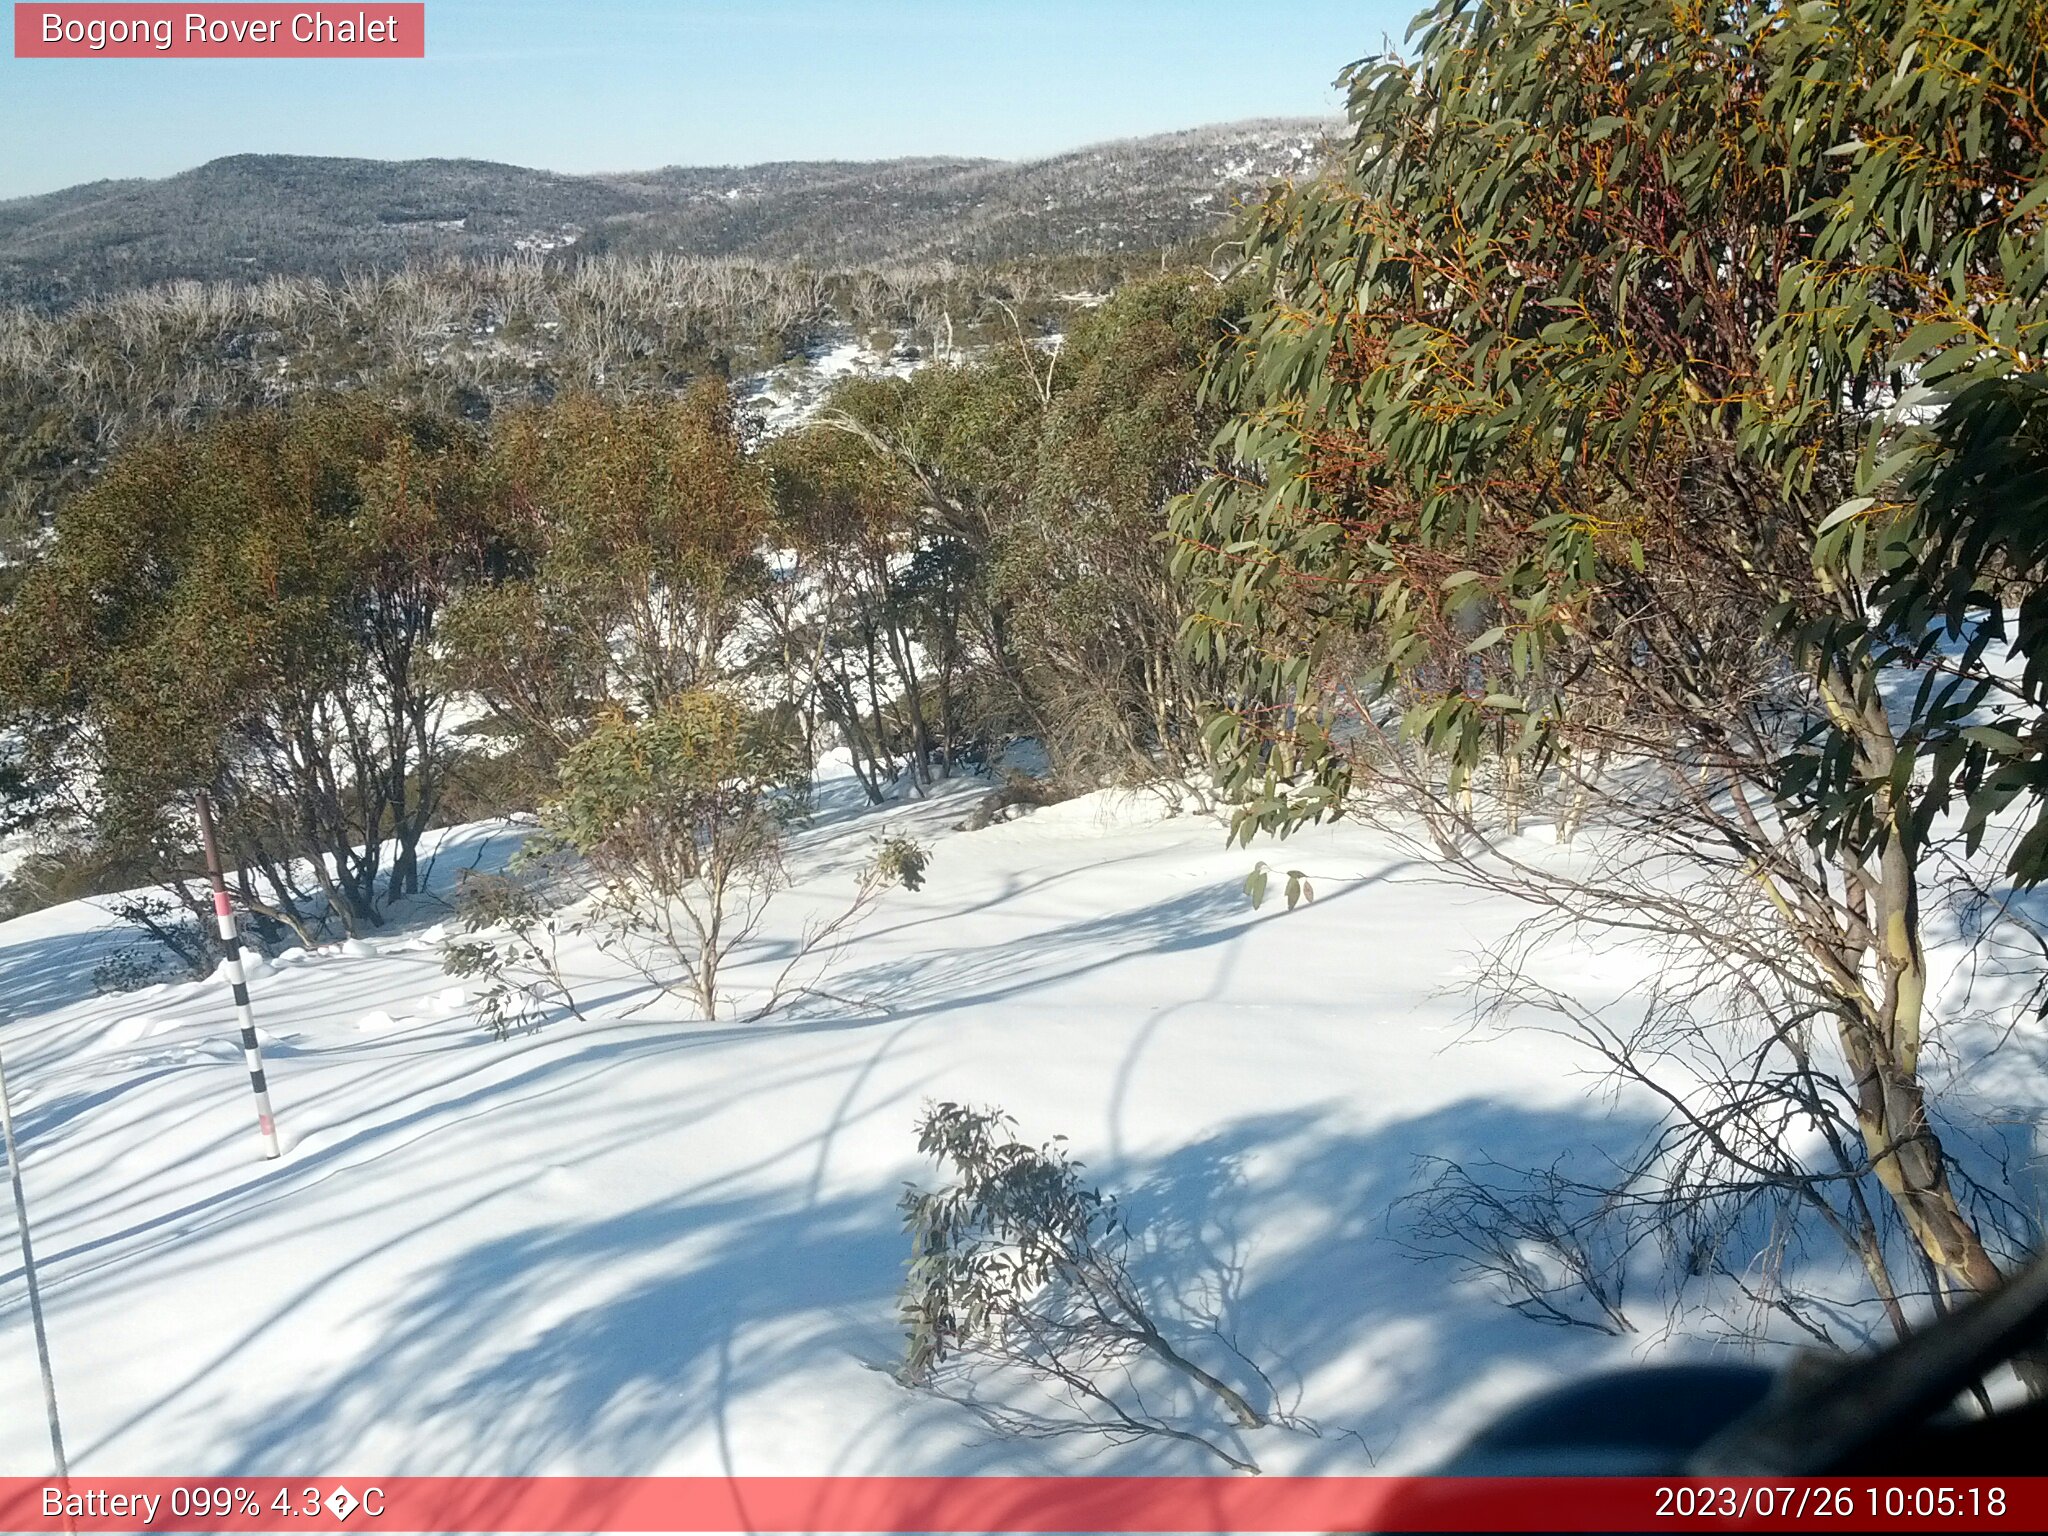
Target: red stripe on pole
(1026,1504)
(216,873)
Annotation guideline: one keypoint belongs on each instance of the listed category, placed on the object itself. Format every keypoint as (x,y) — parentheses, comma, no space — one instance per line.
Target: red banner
(1024,1504)
(240,31)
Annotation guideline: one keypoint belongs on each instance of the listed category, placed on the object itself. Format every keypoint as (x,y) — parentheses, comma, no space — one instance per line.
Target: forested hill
(254,215)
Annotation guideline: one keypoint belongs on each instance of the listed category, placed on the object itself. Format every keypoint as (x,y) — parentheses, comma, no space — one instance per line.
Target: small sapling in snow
(1018,1267)
(512,940)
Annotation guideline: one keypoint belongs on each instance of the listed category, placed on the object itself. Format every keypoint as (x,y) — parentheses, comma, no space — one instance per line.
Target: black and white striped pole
(266,1122)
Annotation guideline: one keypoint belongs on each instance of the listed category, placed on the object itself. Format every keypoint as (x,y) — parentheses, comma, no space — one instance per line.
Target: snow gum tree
(635,531)
(1578,422)
(250,608)
(1027,490)
(1098,609)
(854,640)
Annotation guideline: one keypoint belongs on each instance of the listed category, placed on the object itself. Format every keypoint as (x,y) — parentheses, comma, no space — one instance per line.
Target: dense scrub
(349,614)
(459,339)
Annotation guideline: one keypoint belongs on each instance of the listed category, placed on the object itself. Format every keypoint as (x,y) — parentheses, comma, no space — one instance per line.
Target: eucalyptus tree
(1584,412)
(1026,490)
(632,532)
(249,608)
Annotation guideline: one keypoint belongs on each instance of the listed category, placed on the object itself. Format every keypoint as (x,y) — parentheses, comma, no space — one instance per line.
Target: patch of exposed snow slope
(651,1244)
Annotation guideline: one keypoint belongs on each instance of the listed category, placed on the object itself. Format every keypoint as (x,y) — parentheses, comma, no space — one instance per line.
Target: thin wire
(28,1268)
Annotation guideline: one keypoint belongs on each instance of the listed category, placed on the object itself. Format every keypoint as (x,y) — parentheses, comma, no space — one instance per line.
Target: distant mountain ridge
(252,215)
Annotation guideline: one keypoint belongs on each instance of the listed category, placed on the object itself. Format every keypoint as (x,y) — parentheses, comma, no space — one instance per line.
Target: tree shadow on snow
(606,1346)
(1009,966)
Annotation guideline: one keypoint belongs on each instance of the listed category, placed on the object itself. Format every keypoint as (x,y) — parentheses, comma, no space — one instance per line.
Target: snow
(656,1245)
(789,395)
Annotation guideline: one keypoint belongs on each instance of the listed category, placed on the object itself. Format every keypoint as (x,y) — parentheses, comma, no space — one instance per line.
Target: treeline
(350,617)
(459,339)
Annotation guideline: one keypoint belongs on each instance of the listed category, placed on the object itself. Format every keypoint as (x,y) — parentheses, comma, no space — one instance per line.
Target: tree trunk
(1881,1036)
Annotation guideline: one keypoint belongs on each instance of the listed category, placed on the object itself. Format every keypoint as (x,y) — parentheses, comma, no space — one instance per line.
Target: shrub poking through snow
(130,970)
(512,940)
(188,949)
(680,817)
(1020,1266)
(898,861)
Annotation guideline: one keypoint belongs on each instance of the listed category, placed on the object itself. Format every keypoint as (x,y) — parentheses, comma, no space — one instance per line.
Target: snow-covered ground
(789,395)
(651,1245)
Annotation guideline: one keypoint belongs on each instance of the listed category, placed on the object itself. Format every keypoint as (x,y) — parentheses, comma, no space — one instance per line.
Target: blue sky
(592,85)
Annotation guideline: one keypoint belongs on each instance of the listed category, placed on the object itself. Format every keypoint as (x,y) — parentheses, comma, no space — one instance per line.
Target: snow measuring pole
(28,1268)
(266,1123)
